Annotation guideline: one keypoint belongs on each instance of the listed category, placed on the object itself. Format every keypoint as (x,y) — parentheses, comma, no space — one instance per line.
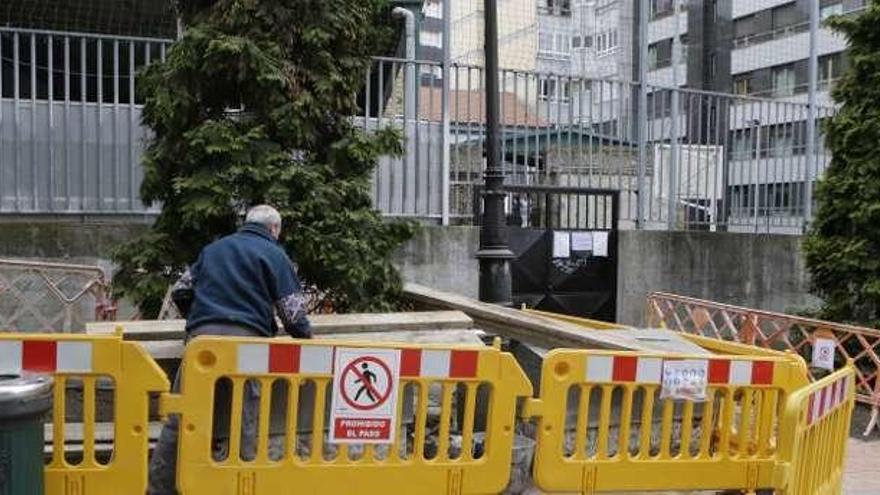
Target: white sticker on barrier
(823,354)
(685,380)
(365,383)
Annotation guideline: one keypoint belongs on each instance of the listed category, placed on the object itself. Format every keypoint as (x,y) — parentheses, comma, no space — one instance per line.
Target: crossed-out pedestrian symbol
(366,383)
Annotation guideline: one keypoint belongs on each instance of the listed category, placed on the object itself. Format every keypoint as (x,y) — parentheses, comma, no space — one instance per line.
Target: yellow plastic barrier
(464,383)
(815,430)
(603,427)
(88,360)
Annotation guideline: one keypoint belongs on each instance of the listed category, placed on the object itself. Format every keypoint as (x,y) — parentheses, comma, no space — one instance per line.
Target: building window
(662,8)
(556,7)
(829,9)
(552,45)
(781,141)
(566,91)
(785,15)
(576,42)
(660,54)
(742,84)
(778,22)
(783,80)
(660,104)
(548,89)
(830,69)
(743,146)
(787,20)
(555,90)
(683,48)
(745,31)
(545,42)
(606,42)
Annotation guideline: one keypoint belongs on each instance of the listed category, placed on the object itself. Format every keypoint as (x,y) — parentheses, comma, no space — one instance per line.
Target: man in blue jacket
(235,288)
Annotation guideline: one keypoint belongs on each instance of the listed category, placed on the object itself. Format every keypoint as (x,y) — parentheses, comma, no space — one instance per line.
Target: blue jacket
(242,279)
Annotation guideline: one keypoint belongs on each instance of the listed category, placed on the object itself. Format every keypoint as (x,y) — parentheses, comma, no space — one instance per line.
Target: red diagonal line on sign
(366,383)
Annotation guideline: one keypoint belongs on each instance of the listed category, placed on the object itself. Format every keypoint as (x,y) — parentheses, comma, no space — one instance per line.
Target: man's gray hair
(264,215)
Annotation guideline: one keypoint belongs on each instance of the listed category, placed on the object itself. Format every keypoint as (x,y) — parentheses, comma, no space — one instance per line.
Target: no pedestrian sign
(363,406)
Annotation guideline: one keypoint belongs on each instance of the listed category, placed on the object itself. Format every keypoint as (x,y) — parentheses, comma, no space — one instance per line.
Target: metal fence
(71,139)
(70,133)
(38,296)
(558,208)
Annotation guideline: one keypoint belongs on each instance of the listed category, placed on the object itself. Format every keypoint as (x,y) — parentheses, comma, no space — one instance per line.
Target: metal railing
(773,34)
(38,296)
(72,139)
(70,121)
(549,207)
(771,330)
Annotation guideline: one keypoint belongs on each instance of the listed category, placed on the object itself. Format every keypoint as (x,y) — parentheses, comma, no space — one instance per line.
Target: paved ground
(863,457)
(862,467)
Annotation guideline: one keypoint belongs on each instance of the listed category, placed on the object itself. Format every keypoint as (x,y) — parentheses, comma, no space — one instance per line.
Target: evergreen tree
(253,105)
(843,245)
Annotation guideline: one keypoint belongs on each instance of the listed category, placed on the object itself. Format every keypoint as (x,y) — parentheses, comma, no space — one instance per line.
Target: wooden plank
(527,328)
(660,340)
(321,324)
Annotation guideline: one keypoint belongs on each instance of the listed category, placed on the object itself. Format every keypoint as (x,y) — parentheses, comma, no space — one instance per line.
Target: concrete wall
(67,239)
(442,258)
(760,271)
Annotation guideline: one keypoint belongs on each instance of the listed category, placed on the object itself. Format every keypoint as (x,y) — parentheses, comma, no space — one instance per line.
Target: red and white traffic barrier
(318,359)
(825,400)
(636,369)
(45,356)
(420,363)
(285,358)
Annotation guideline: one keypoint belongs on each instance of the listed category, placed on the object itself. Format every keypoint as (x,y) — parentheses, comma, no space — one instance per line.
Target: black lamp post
(494,254)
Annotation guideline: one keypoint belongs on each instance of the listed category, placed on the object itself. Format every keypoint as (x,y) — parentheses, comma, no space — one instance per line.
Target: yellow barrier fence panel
(100,414)
(815,433)
(604,425)
(453,410)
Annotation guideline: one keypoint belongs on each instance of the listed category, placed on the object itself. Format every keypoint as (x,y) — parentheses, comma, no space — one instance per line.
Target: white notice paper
(561,245)
(823,354)
(685,380)
(600,244)
(581,241)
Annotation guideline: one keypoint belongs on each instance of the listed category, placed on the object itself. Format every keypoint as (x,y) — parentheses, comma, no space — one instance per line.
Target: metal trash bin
(24,402)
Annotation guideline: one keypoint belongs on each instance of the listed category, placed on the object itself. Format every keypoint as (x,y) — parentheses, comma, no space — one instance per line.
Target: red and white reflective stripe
(317,359)
(285,358)
(624,369)
(734,372)
(45,356)
(420,363)
(825,400)
(604,369)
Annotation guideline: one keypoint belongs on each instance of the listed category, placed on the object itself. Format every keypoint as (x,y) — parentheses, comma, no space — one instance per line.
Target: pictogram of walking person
(367,379)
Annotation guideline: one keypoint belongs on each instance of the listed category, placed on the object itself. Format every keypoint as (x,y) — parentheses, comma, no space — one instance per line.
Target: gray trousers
(163,464)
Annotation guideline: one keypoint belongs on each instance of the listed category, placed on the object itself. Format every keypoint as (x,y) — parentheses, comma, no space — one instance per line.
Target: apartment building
(517,33)
(757,50)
